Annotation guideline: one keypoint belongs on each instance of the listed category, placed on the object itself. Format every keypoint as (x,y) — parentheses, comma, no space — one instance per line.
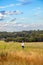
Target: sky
(19,15)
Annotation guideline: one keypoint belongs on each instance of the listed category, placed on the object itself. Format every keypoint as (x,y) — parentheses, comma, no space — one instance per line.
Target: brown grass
(12,53)
(20,58)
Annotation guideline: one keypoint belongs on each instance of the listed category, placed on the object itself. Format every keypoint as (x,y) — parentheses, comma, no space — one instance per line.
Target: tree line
(26,36)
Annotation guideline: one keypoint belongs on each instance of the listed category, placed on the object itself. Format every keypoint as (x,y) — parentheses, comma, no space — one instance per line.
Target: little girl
(22,44)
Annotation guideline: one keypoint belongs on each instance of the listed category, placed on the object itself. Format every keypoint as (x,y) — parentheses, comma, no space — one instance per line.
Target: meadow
(11,53)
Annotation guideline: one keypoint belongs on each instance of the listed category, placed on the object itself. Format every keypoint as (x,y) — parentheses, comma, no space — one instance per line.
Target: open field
(11,53)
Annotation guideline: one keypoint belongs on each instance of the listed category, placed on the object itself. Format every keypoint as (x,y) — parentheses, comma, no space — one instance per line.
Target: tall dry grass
(12,53)
(21,58)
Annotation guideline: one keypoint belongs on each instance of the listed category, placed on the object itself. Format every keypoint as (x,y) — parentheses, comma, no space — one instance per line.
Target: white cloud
(12,26)
(21,2)
(37,11)
(5,24)
(18,4)
(20,24)
(10,12)
(17,12)
(1,15)
(4,14)
(25,2)
(10,5)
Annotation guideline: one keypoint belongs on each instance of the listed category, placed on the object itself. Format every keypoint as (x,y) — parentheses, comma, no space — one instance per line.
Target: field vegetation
(11,53)
(26,36)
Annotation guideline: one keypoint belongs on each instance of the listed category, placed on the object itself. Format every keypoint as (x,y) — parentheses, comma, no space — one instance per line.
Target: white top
(22,44)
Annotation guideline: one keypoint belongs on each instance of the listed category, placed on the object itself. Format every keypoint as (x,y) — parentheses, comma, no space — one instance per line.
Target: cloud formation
(19,2)
(37,11)
(10,5)
(10,12)
(25,2)
(12,20)
(4,14)
(14,26)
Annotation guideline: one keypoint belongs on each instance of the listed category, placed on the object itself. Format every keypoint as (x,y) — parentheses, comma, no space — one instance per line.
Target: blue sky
(18,15)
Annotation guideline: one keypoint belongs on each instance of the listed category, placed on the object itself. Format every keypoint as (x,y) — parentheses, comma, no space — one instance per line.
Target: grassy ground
(11,53)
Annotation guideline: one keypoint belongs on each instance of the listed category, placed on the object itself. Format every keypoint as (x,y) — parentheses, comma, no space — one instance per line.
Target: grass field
(11,53)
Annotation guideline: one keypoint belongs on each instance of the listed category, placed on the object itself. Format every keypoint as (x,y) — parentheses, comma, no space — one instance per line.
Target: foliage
(26,36)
